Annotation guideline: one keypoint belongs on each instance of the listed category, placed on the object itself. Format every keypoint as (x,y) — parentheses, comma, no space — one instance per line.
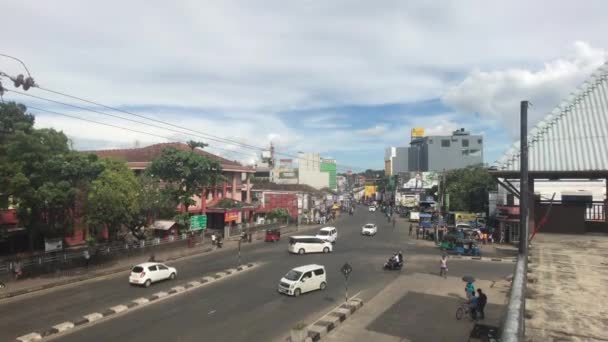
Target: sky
(343,78)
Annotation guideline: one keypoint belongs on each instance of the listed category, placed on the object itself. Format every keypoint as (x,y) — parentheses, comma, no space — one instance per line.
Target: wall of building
(401,160)
(329,167)
(289,201)
(462,151)
(546,188)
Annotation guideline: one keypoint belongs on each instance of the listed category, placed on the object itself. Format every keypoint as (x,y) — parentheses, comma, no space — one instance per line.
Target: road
(241,308)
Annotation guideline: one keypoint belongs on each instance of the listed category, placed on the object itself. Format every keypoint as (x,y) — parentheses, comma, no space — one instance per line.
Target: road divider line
(133,304)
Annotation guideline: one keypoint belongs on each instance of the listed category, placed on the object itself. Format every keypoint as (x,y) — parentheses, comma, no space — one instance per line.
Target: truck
(414,216)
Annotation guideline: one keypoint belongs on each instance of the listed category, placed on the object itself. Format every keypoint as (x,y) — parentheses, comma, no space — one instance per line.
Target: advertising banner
(422,180)
(231,216)
(52,245)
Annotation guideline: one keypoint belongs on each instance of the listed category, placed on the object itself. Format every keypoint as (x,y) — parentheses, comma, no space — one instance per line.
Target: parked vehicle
(329,234)
(272,235)
(414,216)
(303,279)
(308,244)
(150,272)
(369,229)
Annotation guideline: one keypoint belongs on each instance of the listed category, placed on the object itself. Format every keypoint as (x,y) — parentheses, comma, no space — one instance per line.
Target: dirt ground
(567,291)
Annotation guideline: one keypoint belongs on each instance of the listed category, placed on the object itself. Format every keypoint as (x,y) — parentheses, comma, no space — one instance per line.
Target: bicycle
(463,310)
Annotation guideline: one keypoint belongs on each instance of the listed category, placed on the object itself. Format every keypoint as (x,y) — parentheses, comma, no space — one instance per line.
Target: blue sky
(343,78)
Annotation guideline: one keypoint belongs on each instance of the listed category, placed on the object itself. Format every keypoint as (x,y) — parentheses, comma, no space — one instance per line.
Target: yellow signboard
(417,132)
(370,190)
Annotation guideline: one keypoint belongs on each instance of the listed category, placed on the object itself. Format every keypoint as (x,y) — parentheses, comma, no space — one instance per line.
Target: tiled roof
(260,186)
(143,155)
(573,137)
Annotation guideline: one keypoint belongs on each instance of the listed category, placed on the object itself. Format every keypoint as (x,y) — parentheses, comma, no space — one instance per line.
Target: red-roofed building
(237,188)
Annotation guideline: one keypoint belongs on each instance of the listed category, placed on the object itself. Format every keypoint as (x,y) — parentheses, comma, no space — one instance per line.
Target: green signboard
(198,222)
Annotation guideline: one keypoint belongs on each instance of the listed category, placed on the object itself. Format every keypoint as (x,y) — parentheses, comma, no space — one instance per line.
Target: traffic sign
(198,222)
(346,270)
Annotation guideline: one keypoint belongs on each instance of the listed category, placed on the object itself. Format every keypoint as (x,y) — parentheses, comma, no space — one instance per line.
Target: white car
(329,234)
(308,244)
(372,208)
(369,229)
(303,279)
(150,272)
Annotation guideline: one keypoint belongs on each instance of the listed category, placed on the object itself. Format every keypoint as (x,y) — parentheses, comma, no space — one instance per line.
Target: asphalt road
(246,307)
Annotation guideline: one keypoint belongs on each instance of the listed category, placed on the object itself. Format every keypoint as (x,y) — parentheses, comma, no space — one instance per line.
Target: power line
(207,135)
(199,135)
(125,128)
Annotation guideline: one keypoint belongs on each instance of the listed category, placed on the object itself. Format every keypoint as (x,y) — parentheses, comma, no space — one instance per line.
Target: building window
(479,141)
(465,142)
(475,153)
(430,141)
(465,152)
(445,143)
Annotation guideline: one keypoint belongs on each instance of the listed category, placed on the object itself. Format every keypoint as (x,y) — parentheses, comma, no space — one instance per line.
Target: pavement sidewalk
(29,285)
(488,250)
(566,292)
(420,307)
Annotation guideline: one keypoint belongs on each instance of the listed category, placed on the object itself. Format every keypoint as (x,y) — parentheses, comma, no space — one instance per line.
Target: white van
(329,234)
(308,244)
(303,279)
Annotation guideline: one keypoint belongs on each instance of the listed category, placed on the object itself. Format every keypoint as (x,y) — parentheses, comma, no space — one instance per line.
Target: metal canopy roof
(573,138)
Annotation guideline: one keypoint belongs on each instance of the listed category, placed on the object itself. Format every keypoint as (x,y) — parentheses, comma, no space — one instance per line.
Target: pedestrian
(443,270)
(213,238)
(417,233)
(482,300)
(473,305)
(469,289)
(394,222)
(411,229)
(17,271)
(87,257)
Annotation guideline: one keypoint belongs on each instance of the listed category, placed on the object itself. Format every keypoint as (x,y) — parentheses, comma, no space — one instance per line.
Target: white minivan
(303,279)
(329,234)
(308,244)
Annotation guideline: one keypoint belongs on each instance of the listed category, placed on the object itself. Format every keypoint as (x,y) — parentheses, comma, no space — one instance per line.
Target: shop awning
(163,224)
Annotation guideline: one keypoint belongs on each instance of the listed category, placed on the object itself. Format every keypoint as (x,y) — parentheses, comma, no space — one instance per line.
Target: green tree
(39,174)
(278,213)
(468,188)
(187,172)
(113,198)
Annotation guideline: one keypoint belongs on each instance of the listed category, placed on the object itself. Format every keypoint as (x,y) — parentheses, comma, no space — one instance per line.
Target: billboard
(417,132)
(422,180)
(370,190)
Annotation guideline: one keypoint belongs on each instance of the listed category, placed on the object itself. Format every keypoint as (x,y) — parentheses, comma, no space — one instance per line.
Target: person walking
(394,222)
(443,270)
(87,257)
(417,233)
(482,300)
(411,229)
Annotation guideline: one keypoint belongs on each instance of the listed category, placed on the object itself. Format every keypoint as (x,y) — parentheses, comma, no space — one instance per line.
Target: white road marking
(93,317)
(64,326)
(211,312)
(30,337)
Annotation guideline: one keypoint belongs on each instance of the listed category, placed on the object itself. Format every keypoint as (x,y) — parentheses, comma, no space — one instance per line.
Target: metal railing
(514,324)
(595,212)
(51,261)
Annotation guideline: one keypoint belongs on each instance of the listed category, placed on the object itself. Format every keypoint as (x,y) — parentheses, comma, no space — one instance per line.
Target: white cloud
(249,61)
(497,94)
(375,131)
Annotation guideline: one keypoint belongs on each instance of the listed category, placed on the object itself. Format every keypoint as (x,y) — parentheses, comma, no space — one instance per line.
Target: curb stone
(138,302)
(332,320)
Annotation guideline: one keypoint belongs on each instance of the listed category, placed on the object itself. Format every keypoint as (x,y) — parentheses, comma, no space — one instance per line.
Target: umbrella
(468,279)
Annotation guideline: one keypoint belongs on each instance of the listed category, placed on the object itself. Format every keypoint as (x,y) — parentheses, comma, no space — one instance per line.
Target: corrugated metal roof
(574,136)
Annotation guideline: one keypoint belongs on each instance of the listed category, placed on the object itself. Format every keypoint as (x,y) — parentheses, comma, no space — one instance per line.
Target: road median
(322,327)
(129,306)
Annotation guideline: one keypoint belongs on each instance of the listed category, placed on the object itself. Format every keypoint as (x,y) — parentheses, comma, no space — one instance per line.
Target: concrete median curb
(478,258)
(331,321)
(132,305)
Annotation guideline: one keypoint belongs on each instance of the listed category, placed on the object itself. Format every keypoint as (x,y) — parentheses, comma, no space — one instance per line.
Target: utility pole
(524,186)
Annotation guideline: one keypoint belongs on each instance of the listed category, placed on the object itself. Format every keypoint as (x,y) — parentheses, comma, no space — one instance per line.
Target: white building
(309,171)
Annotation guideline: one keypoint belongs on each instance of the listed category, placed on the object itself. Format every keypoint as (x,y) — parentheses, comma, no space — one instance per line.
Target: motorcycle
(393,265)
